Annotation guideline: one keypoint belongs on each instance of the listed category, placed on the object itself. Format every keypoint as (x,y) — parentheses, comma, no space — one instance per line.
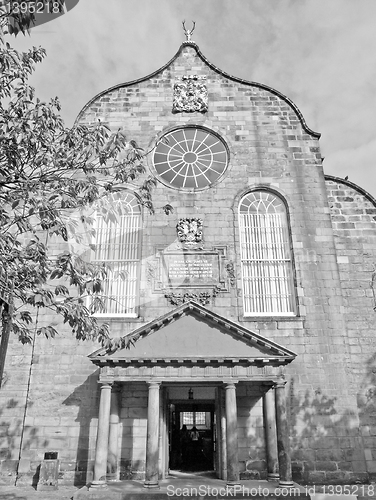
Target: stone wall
(62,394)
(251,435)
(12,406)
(354,224)
(134,404)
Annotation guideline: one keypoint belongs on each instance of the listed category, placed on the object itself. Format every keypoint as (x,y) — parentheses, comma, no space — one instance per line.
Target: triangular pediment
(192,332)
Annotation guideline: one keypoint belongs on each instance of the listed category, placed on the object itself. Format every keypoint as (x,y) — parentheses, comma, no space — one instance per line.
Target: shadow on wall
(86,397)
(133,410)
(133,415)
(252,452)
(326,445)
(366,400)
(13,434)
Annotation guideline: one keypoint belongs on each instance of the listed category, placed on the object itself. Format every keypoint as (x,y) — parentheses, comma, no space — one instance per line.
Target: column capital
(228,384)
(154,385)
(280,384)
(105,385)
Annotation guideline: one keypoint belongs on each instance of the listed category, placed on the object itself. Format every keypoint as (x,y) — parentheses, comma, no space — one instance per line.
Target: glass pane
(200,418)
(187,418)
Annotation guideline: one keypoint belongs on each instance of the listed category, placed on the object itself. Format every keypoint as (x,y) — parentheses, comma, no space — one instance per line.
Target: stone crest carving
(190,94)
(230,268)
(204,298)
(189,231)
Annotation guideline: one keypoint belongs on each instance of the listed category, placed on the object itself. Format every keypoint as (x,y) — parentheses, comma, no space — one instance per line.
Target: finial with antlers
(188,33)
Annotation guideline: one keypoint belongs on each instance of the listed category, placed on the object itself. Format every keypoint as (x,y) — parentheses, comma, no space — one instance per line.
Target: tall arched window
(118,246)
(267,274)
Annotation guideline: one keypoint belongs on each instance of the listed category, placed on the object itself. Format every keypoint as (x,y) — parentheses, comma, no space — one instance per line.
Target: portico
(229,370)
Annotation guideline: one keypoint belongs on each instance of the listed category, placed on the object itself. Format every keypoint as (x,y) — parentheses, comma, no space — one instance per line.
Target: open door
(192,437)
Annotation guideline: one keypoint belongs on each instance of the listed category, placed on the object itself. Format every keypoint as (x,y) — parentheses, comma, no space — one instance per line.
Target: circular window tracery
(190,158)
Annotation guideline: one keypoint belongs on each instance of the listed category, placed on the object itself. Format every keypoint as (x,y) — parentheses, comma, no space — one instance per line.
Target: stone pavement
(30,493)
(180,485)
(169,488)
(175,486)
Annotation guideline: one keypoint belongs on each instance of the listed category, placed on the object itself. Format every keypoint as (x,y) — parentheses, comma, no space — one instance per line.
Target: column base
(151,484)
(98,485)
(286,484)
(112,477)
(273,477)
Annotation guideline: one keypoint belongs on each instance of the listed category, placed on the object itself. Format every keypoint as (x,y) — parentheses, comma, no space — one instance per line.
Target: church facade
(248,310)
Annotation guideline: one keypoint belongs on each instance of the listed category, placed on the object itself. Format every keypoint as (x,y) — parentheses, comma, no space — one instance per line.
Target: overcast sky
(319,53)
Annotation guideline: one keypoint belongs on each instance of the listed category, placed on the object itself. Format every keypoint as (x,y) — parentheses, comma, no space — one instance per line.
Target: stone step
(193,489)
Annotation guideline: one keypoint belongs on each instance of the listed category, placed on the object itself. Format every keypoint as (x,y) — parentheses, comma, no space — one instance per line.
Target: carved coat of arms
(189,231)
(190,94)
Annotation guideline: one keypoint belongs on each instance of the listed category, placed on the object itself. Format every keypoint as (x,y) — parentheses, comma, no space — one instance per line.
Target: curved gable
(352,207)
(257,93)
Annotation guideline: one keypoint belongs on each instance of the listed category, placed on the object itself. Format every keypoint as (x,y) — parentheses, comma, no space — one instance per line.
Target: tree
(47,171)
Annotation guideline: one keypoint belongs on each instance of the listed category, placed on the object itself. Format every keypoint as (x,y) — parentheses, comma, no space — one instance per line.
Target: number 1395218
(350,489)
(45,7)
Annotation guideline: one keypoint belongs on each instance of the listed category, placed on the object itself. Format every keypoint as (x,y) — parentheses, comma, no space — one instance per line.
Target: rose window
(190,158)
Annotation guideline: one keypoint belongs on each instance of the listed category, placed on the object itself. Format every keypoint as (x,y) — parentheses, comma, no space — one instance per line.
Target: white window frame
(118,244)
(266,256)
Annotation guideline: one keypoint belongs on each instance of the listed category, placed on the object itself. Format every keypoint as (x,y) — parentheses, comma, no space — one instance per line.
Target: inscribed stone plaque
(183,269)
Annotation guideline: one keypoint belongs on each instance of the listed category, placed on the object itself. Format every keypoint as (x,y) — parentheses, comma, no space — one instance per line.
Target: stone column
(113,439)
(166,438)
(222,435)
(220,455)
(271,435)
(152,438)
(232,435)
(162,434)
(101,448)
(283,436)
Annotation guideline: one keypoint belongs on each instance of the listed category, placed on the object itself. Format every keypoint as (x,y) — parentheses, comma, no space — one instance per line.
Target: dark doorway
(192,437)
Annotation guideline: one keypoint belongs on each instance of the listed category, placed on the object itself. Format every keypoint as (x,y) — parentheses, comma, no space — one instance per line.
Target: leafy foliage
(47,172)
